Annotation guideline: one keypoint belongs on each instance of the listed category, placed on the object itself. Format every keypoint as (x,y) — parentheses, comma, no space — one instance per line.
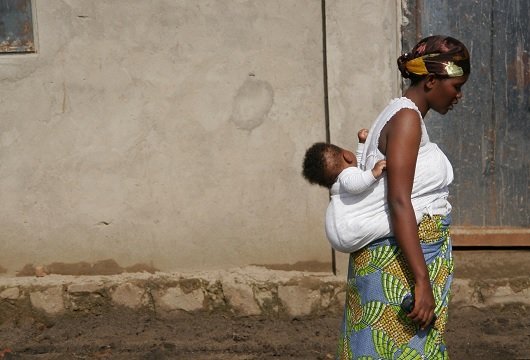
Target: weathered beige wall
(363,40)
(363,44)
(172,132)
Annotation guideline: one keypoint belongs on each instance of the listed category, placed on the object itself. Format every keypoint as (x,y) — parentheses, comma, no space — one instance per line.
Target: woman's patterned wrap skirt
(374,325)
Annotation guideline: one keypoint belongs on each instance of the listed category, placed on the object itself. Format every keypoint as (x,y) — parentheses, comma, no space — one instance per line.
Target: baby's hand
(378,169)
(362,135)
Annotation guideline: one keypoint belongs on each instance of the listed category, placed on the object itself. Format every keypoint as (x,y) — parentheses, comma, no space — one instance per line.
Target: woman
(416,260)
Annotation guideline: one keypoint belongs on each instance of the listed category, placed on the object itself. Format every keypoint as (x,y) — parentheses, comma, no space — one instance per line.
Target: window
(16,27)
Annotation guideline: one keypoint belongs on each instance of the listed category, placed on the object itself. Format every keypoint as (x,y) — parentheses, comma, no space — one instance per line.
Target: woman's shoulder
(404,112)
(406,115)
(404,103)
(401,110)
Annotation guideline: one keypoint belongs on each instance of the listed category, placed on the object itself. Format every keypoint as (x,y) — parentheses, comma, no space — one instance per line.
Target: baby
(327,164)
(350,214)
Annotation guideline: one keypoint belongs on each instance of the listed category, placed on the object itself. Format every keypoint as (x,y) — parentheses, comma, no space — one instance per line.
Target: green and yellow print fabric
(374,326)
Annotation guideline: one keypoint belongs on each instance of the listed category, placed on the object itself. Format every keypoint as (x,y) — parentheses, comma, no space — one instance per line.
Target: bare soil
(494,333)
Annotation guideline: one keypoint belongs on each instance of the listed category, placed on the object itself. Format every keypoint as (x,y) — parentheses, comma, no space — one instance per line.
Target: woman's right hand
(423,312)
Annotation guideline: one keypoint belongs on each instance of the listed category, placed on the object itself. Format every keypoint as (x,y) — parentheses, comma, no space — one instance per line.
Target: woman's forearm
(406,233)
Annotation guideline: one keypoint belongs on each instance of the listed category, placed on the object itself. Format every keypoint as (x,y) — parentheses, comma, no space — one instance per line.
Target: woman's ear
(430,81)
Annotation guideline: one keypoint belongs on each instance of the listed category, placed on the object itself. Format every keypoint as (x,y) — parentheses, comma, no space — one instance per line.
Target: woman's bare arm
(400,140)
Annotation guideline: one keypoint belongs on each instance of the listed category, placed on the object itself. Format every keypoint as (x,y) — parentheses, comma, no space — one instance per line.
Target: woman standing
(415,261)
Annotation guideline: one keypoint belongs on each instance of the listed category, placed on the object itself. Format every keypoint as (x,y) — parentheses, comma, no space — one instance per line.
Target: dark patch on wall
(252,103)
(2,270)
(103,267)
(313,266)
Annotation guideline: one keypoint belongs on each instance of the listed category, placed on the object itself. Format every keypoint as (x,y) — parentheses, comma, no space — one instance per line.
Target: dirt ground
(496,333)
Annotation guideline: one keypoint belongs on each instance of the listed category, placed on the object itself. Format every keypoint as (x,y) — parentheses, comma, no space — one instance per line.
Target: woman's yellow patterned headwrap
(421,65)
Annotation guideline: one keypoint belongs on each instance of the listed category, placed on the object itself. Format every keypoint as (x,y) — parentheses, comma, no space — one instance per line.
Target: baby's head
(324,162)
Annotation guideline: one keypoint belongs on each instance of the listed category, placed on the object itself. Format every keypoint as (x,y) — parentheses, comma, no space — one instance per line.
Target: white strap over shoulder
(371,152)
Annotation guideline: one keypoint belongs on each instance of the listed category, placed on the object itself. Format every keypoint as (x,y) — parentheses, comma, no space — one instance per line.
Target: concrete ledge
(242,292)
(484,293)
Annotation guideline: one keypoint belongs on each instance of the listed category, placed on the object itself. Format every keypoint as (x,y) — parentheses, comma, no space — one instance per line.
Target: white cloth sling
(355,220)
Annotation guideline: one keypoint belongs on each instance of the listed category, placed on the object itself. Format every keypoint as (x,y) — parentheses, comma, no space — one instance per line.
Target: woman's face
(446,93)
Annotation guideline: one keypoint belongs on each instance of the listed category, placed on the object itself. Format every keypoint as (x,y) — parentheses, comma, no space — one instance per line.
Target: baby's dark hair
(319,161)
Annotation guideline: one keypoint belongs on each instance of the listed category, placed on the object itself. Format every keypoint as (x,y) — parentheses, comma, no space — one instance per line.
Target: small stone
(50,300)
(129,295)
(40,271)
(175,299)
(298,301)
(84,288)
(241,297)
(10,293)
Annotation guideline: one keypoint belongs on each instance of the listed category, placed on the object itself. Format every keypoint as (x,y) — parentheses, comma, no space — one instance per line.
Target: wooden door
(486,137)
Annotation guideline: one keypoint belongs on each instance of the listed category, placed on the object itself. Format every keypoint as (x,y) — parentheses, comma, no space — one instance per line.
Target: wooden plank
(490,236)
(508,156)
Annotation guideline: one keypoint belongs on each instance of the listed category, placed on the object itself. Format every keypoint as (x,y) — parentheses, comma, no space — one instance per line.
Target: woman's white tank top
(433,172)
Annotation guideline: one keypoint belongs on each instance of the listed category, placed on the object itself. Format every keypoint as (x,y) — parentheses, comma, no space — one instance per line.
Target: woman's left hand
(423,312)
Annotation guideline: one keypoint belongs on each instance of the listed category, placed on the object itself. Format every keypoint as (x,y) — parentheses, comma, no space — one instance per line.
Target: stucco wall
(171,133)
(363,43)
